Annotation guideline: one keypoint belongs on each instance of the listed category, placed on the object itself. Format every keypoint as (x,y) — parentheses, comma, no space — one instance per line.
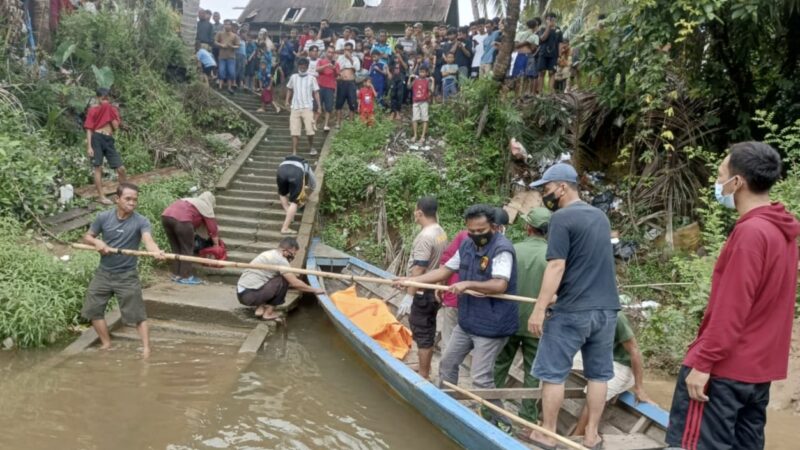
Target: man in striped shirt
(302,90)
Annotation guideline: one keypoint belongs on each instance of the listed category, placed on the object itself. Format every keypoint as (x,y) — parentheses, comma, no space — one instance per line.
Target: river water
(306,390)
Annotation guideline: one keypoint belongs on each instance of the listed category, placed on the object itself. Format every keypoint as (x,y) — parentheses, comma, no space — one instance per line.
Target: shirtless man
(102,120)
(346,67)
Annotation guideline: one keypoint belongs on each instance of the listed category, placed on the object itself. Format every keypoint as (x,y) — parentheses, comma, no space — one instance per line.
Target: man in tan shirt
(227,42)
(422,304)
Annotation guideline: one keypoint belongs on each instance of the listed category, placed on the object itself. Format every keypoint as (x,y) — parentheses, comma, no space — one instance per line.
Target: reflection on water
(305,390)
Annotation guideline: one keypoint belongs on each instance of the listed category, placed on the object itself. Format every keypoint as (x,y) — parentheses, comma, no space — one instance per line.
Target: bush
(409,179)
(347,182)
(40,295)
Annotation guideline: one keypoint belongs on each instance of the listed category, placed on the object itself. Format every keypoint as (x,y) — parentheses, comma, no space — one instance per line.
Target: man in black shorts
(547,57)
(346,67)
(422,304)
(102,120)
(121,228)
(295,179)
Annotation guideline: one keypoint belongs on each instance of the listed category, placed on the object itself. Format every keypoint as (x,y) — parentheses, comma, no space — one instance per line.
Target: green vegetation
(165,114)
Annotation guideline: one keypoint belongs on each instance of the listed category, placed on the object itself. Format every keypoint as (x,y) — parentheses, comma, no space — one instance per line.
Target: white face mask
(725,200)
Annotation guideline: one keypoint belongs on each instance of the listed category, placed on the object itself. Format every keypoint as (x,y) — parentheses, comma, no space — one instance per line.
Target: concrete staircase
(248,208)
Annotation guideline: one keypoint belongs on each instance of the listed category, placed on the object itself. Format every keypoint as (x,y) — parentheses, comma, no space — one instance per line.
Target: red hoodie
(747,328)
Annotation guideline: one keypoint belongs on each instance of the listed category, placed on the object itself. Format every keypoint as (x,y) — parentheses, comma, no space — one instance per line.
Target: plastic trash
(65,194)
(625,250)
(603,201)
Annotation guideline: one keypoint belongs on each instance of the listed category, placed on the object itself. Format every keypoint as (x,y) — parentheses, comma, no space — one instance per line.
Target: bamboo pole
(297,270)
(651,285)
(515,418)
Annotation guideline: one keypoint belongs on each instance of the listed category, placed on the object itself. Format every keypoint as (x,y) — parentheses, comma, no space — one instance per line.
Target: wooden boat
(626,426)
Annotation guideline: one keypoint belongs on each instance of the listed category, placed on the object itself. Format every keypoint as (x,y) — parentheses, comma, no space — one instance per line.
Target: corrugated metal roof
(342,11)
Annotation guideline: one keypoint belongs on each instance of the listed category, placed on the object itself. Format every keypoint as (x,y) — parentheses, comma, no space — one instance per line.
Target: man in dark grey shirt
(576,309)
(121,228)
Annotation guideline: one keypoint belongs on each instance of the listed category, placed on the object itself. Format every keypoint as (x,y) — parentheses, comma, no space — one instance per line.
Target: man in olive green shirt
(531,263)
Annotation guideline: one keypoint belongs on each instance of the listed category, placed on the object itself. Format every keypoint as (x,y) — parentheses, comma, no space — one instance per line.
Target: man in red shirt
(743,343)
(102,120)
(326,68)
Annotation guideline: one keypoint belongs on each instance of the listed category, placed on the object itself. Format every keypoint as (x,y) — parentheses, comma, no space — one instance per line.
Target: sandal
(538,444)
(260,311)
(272,317)
(598,445)
(289,232)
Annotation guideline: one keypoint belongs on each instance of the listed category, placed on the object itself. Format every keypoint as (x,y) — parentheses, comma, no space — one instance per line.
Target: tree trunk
(41,23)
(503,60)
(542,6)
(476,13)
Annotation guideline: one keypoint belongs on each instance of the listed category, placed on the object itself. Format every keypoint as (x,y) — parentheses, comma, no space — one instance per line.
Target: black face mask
(551,201)
(482,239)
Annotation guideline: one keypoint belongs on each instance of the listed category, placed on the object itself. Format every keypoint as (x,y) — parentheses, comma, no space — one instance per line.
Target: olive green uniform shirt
(531,263)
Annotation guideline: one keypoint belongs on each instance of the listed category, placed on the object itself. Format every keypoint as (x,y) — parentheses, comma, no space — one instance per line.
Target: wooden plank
(255,339)
(511,393)
(70,214)
(80,222)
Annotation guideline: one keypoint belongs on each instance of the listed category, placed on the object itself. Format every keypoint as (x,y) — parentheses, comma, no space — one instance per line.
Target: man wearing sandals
(580,270)
(295,179)
(266,289)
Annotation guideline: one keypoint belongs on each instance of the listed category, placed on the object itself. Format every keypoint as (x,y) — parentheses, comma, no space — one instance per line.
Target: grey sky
(227,11)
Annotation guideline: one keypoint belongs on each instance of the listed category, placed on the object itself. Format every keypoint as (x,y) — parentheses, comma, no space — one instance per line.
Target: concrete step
(249,177)
(246,192)
(209,303)
(250,245)
(270,200)
(269,232)
(247,223)
(253,213)
(268,170)
(250,185)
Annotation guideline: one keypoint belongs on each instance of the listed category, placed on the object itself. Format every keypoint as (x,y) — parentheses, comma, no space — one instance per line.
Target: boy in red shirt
(744,340)
(366,102)
(102,120)
(420,96)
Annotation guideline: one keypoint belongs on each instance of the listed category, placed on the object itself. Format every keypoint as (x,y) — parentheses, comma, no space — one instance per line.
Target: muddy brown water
(305,390)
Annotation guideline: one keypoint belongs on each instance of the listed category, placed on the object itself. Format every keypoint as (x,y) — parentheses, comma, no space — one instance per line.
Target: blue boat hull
(453,418)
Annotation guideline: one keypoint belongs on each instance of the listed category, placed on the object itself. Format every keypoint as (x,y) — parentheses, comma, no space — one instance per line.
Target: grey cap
(558,172)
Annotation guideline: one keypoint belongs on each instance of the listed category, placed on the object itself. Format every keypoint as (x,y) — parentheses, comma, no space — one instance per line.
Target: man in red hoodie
(102,121)
(743,343)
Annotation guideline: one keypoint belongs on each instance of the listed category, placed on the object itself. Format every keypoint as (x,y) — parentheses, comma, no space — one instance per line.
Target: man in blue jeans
(580,273)
(228,44)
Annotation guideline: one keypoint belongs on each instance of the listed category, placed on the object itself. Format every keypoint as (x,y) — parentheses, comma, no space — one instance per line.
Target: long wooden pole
(297,270)
(515,418)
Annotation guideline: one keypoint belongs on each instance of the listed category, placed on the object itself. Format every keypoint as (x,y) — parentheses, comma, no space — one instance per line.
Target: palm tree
(503,60)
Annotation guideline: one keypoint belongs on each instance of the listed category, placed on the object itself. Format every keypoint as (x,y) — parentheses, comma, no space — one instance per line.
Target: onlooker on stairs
(295,177)
(228,43)
(181,220)
(302,91)
(266,289)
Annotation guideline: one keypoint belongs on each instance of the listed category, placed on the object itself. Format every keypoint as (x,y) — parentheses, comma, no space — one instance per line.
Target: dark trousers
(733,418)
(181,240)
(272,293)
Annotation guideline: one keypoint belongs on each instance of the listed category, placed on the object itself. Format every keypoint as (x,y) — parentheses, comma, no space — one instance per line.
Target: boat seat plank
(511,393)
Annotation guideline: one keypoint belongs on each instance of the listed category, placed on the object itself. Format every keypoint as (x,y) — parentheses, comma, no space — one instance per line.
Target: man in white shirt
(347,37)
(302,91)
(477,48)
(319,43)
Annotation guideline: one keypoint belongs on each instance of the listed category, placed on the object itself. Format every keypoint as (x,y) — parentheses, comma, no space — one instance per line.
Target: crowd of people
(359,69)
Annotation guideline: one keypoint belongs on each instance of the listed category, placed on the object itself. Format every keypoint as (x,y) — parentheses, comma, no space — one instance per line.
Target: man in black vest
(486,264)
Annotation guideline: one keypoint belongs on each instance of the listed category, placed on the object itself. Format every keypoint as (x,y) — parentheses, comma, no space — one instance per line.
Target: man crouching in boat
(266,289)
(486,263)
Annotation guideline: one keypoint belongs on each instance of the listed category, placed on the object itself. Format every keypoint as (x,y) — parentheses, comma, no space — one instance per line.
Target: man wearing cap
(580,272)
(531,262)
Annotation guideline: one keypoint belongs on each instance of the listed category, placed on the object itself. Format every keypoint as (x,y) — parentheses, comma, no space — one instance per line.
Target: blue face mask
(725,200)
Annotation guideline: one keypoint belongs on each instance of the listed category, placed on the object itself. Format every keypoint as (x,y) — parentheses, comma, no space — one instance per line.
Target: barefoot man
(102,120)
(121,228)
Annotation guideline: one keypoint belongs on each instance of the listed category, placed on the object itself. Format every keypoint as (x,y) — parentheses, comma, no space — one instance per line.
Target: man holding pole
(121,228)
(422,304)
(265,289)
(486,264)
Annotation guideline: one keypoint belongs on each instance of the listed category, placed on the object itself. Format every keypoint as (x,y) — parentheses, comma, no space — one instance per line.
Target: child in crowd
(519,62)
(366,102)
(265,79)
(564,67)
(420,95)
(531,73)
(378,73)
(396,91)
(449,77)
(367,61)
(205,61)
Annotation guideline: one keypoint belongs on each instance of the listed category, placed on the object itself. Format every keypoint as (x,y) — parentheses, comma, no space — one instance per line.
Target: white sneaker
(313,152)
